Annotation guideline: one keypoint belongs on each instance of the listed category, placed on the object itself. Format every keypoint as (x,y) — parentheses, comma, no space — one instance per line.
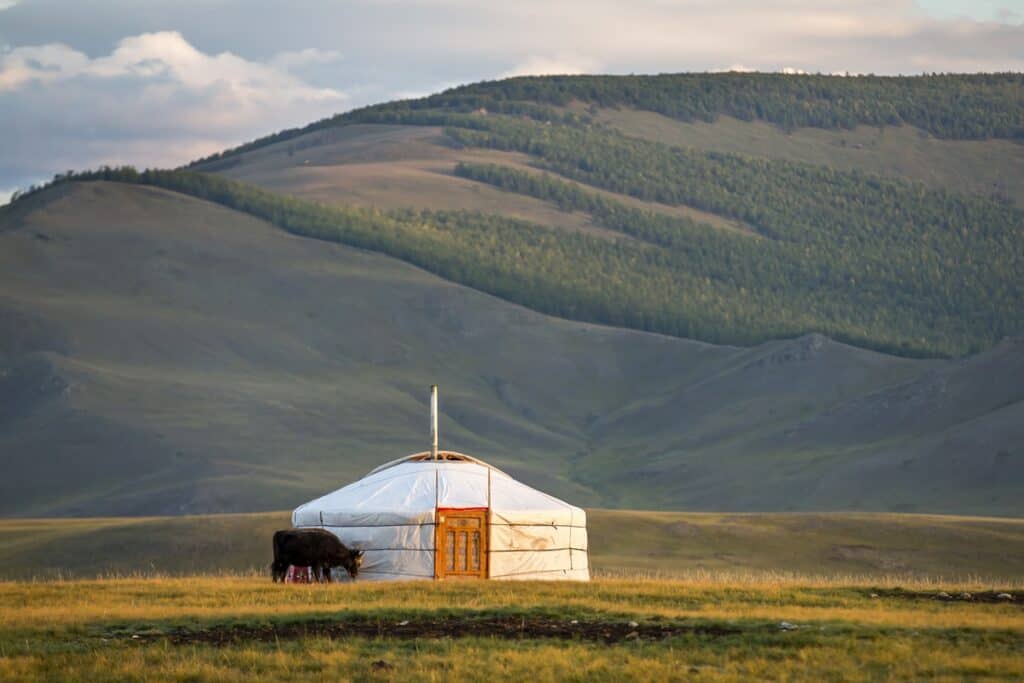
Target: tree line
(955,260)
(678,277)
(954,106)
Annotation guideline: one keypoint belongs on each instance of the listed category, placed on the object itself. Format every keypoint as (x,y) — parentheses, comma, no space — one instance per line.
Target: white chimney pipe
(433,421)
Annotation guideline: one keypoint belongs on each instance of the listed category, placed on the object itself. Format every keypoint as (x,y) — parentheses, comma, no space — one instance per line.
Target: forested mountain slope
(163,354)
(955,106)
(693,241)
(947,105)
(992,168)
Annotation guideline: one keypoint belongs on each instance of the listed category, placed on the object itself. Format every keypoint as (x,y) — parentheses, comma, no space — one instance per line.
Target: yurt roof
(410,490)
(444,456)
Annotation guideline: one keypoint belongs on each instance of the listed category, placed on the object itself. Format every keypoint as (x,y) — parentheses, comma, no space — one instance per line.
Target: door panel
(461,543)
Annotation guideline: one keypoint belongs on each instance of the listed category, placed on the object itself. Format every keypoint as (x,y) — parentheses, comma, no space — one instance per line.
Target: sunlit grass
(75,629)
(472,659)
(70,603)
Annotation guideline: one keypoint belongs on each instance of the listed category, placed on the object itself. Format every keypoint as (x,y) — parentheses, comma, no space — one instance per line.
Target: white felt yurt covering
(392,515)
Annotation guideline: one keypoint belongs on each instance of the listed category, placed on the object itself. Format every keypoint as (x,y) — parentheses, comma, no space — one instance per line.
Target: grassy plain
(677,596)
(622,543)
(724,628)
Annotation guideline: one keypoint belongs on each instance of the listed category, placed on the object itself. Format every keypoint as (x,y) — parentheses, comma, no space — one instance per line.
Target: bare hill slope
(163,355)
(397,167)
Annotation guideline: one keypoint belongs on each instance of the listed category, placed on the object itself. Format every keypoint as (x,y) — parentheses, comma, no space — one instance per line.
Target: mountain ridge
(561,90)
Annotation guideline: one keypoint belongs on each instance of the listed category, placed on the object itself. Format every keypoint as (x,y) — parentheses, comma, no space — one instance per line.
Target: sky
(161,83)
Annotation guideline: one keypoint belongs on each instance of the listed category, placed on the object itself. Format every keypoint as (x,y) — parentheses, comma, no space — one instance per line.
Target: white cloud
(736,68)
(7,4)
(553,66)
(789,70)
(43,63)
(167,57)
(417,93)
(154,100)
(650,36)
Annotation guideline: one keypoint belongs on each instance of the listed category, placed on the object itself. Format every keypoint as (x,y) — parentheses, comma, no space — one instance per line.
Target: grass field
(677,596)
(727,628)
(622,542)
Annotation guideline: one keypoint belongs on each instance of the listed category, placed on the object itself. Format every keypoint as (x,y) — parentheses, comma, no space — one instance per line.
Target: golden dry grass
(123,629)
(395,167)
(702,595)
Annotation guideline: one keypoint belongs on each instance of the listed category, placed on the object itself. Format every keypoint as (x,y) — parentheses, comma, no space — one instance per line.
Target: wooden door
(461,544)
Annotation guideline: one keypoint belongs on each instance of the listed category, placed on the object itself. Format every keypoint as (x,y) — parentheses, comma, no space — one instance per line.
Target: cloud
(166,57)
(736,68)
(43,63)
(154,100)
(553,66)
(7,4)
(417,93)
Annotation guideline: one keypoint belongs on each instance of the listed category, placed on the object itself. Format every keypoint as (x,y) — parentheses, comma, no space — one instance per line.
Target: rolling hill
(714,292)
(705,226)
(167,355)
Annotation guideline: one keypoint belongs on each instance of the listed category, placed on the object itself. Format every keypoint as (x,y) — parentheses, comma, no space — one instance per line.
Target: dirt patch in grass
(984,597)
(511,627)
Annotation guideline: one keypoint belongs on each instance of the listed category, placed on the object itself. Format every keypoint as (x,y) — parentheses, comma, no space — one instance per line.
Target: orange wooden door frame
(461,544)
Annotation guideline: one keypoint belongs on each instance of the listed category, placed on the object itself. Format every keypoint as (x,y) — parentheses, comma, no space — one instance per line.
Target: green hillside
(992,168)
(919,257)
(230,336)
(948,105)
(956,106)
(166,355)
(621,541)
(875,263)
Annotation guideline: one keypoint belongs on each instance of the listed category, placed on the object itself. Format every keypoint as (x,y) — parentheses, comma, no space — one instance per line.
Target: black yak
(314,548)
